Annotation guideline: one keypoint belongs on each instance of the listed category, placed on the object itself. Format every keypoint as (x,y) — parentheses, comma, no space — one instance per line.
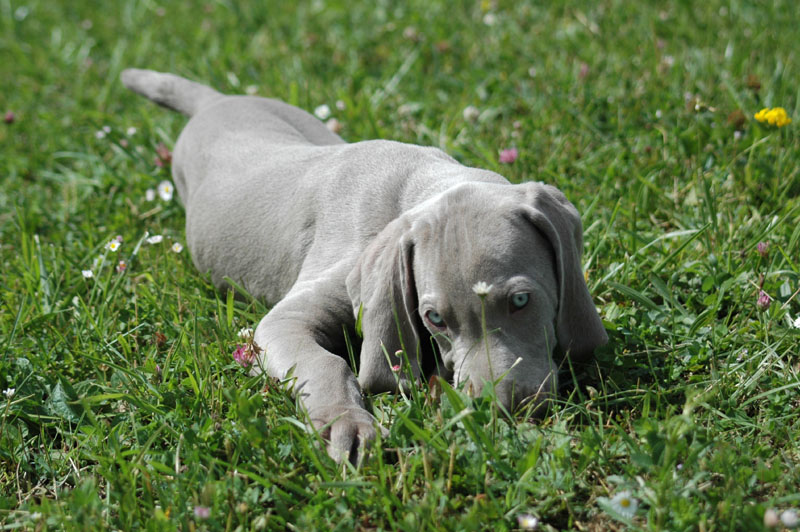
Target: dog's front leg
(294,341)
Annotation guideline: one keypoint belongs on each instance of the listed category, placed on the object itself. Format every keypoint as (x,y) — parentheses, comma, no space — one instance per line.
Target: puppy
(449,270)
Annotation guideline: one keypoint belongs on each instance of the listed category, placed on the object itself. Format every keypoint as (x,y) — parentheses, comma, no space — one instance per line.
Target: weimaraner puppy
(428,254)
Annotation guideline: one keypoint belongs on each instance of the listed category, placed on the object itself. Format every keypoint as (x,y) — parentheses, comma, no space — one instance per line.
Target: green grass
(129,411)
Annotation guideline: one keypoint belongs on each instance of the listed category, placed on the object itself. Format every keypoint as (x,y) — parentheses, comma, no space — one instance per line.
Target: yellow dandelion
(775,117)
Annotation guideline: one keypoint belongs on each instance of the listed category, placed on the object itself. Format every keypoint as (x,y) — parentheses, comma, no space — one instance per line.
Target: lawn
(123,407)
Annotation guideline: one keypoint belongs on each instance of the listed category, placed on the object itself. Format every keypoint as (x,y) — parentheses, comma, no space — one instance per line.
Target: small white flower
(155,239)
(796,323)
(490,19)
(624,504)
(177,247)
(131,131)
(9,392)
(107,129)
(771,519)
(36,516)
(245,332)
(340,105)
(323,112)
(334,125)
(790,519)
(88,274)
(481,288)
(100,134)
(737,135)
(113,246)
(471,113)
(527,522)
(250,90)
(410,33)
(659,114)
(21,12)
(150,194)
(165,190)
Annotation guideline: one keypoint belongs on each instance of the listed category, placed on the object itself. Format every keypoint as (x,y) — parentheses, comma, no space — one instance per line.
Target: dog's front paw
(348,431)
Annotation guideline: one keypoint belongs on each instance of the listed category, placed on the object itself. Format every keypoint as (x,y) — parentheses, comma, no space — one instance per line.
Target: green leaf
(360,321)
(63,402)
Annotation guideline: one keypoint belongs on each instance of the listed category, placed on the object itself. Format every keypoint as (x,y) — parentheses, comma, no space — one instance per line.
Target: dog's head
(492,273)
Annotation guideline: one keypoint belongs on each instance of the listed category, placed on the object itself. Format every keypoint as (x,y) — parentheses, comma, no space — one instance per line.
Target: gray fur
(323,229)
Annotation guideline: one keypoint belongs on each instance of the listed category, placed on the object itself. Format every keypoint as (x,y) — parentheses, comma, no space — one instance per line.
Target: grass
(129,411)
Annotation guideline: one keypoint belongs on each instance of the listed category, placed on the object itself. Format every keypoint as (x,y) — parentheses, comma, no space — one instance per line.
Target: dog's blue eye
(435,318)
(520,299)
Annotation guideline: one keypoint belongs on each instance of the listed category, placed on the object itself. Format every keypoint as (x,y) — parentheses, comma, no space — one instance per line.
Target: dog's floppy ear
(384,296)
(579,329)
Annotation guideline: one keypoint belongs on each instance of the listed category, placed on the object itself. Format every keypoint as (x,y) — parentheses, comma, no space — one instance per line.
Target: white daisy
(624,504)
(471,113)
(527,522)
(790,519)
(155,239)
(482,288)
(177,247)
(113,245)
(165,190)
(334,125)
(771,519)
(323,112)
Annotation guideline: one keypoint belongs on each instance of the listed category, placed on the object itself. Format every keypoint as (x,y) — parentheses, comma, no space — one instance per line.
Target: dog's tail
(169,90)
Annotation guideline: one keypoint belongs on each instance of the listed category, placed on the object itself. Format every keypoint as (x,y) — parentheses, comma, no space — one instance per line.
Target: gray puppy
(430,254)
